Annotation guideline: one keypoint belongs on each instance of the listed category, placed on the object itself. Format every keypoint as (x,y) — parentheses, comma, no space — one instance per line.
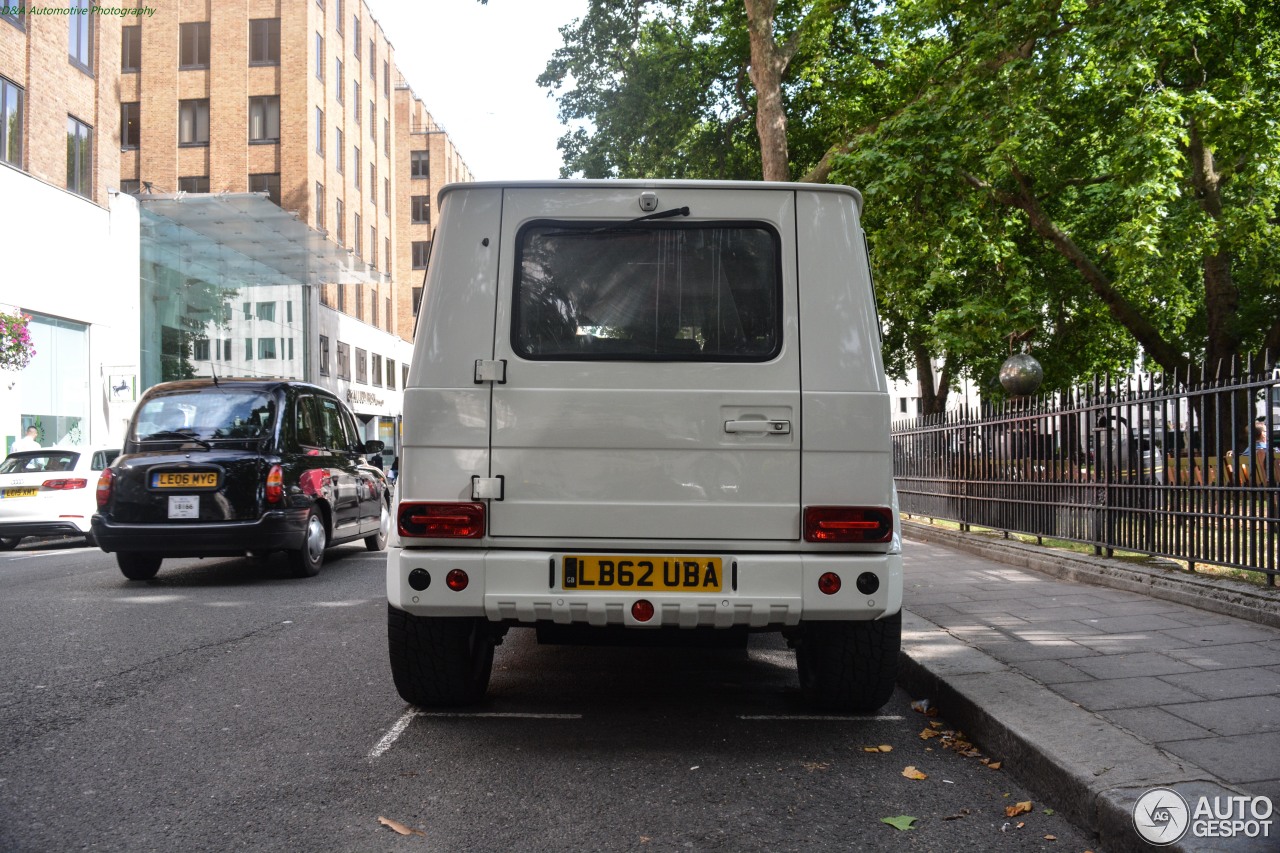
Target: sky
(475,68)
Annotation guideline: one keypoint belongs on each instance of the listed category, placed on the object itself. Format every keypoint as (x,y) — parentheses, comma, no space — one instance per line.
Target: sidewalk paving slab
(1100,684)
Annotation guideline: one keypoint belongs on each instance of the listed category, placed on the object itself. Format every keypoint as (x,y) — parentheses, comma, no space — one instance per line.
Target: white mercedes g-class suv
(646,406)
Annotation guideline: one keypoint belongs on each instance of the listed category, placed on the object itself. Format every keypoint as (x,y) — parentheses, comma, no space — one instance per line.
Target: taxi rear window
(651,291)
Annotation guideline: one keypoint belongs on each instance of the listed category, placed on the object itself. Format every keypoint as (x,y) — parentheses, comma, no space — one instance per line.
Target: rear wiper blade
(173,433)
(623,225)
(663,214)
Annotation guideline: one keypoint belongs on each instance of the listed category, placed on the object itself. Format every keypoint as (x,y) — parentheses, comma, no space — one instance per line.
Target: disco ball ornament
(1021,374)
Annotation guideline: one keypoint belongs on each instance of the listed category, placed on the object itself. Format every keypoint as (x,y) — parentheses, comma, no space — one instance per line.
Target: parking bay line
(393,734)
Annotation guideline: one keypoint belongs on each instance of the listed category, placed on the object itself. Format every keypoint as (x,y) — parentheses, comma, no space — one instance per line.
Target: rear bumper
(772,591)
(61,527)
(275,530)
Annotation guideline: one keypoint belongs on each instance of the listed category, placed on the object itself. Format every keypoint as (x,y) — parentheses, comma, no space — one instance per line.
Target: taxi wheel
(138,567)
(849,666)
(439,661)
(305,561)
(8,543)
(378,541)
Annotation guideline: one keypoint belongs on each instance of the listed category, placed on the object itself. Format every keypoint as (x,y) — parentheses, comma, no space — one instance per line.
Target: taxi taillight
(441,520)
(275,485)
(848,524)
(105,480)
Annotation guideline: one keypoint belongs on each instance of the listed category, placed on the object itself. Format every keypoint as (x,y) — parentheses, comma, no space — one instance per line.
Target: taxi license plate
(646,573)
(184,480)
(21,493)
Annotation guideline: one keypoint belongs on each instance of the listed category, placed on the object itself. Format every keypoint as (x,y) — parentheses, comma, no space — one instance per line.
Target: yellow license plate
(184,480)
(21,493)
(644,573)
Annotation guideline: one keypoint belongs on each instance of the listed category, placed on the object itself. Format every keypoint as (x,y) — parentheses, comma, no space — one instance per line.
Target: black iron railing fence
(1166,465)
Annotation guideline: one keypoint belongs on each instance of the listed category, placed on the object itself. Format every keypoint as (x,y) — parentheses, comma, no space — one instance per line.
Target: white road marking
(851,719)
(51,553)
(393,734)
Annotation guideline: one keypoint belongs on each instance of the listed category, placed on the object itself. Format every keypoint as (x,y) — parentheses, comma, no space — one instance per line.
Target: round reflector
(457,580)
(642,611)
(829,583)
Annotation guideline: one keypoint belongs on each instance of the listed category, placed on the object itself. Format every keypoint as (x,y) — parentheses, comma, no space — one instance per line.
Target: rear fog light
(456,580)
(829,583)
(642,611)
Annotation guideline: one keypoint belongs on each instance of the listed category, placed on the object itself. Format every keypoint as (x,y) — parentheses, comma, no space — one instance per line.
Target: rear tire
(305,562)
(439,661)
(849,666)
(8,543)
(378,541)
(138,567)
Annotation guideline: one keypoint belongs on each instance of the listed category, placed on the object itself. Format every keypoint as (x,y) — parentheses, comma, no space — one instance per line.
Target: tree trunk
(933,394)
(1221,296)
(768,63)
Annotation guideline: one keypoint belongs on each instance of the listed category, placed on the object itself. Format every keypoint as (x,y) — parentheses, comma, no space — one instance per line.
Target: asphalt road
(226,706)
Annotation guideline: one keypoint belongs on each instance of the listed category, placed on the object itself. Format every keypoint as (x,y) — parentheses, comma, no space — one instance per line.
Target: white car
(49,492)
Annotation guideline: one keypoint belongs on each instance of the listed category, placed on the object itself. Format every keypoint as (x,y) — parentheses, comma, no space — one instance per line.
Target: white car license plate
(184,506)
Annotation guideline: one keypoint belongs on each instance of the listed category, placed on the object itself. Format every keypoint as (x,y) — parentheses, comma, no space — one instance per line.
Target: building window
(11,122)
(373,121)
(248,310)
(323,355)
(337,77)
(373,187)
(355,166)
(355,31)
(344,361)
(391,372)
(248,349)
(193,122)
(340,149)
(320,131)
(193,45)
(386,136)
(373,60)
(200,349)
(342,297)
(362,367)
(386,78)
(194,184)
(319,217)
(264,41)
(417,300)
(421,251)
(266,347)
(338,16)
(266,183)
(375,365)
(131,48)
(419,164)
(80,34)
(340,214)
(319,57)
(356,236)
(355,97)
(264,118)
(386,199)
(373,318)
(422,210)
(404,376)
(15,14)
(79,157)
(266,311)
(130,187)
(129,125)
(386,253)
(373,259)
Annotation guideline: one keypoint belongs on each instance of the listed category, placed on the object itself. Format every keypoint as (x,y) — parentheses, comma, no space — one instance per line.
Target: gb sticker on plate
(184,506)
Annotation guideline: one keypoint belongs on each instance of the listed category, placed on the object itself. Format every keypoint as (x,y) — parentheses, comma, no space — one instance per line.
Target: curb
(1095,770)
(1163,580)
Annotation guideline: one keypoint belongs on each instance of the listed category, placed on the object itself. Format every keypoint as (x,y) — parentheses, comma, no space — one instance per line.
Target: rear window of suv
(647,292)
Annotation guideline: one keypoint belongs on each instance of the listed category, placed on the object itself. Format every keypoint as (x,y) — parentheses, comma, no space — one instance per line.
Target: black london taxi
(224,467)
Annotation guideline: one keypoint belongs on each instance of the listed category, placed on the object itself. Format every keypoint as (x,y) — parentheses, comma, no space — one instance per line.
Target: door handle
(759,426)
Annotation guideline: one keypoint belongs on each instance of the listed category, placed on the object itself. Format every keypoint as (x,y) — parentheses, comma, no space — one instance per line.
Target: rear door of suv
(647,373)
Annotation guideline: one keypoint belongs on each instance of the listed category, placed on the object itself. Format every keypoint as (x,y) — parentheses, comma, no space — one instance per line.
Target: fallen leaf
(959,815)
(935,724)
(816,765)
(1048,811)
(994,765)
(871,749)
(1021,824)
(902,822)
(884,747)
(399,827)
(1051,838)
(644,839)
(912,773)
(1020,808)
(929,733)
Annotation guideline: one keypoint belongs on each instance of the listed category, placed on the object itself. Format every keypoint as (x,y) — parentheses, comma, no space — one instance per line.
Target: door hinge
(487,488)
(489,370)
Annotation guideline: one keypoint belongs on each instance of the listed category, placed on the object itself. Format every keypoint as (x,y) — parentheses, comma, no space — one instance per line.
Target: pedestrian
(395,468)
(376,461)
(27,442)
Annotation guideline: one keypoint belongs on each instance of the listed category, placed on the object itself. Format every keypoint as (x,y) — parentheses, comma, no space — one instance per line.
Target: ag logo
(1161,816)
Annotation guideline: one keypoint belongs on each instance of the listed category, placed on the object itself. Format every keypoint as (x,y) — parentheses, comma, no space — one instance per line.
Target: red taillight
(62,485)
(642,611)
(848,524)
(442,520)
(275,485)
(104,487)
(456,580)
(829,583)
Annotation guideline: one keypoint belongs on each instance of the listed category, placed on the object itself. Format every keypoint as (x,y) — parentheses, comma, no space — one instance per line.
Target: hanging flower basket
(16,347)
